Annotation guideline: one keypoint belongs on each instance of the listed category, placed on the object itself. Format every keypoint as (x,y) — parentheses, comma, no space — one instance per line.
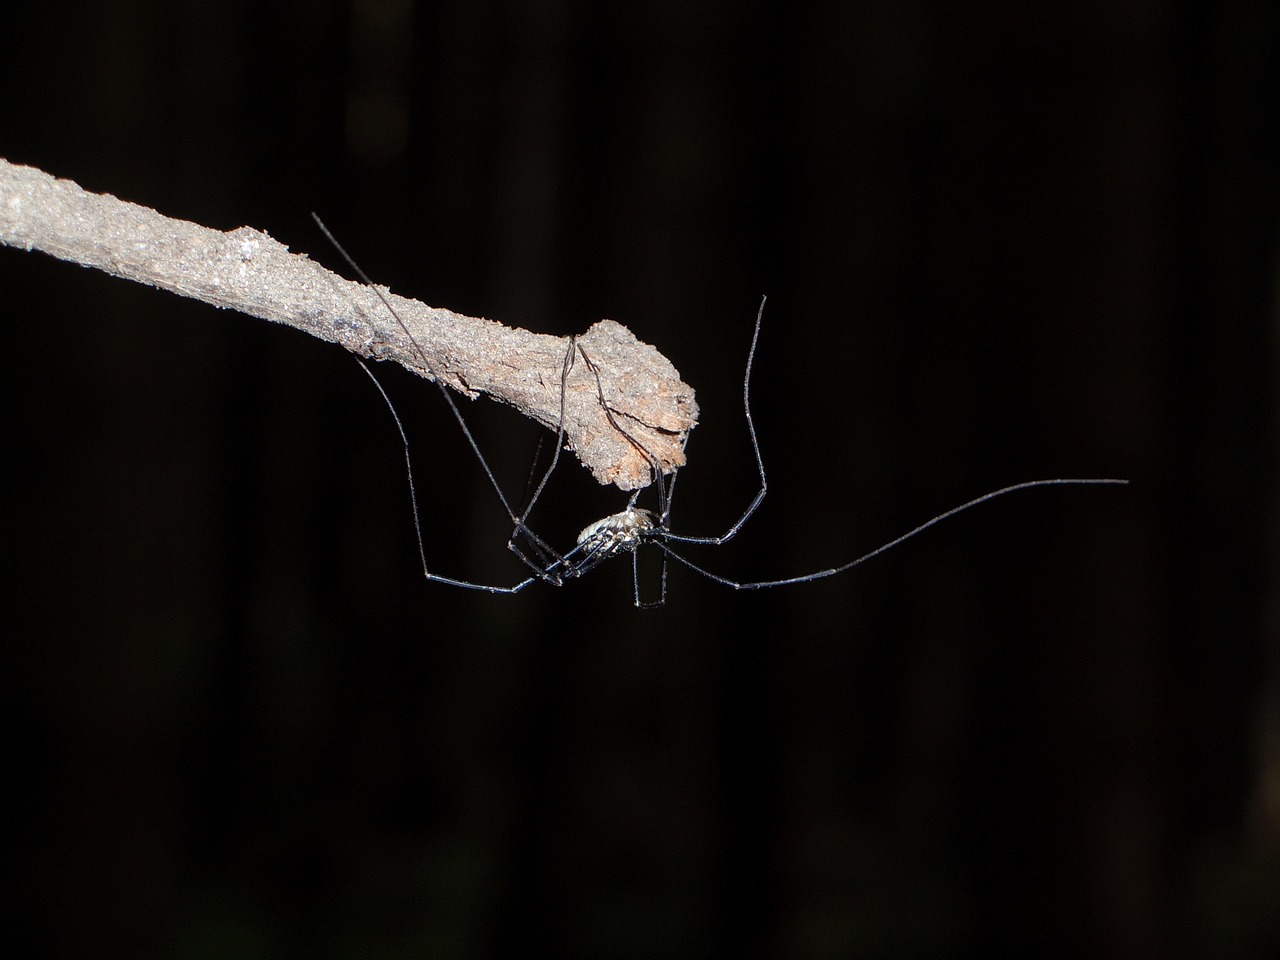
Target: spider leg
(483,587)
(444,391)
(549,566)
(635,577)
(665,489)
(755,449)
(635,581)
(832,571)
(655,467)
(417,517)
(591,559)
(547,557)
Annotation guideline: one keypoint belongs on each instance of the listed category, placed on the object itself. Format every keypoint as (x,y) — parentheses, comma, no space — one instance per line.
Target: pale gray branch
(248,271)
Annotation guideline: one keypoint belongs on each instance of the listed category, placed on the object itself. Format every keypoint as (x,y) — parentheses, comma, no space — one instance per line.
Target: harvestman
(630,528)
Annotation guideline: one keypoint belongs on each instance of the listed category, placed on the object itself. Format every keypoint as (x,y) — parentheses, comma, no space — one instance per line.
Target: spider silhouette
(633,526)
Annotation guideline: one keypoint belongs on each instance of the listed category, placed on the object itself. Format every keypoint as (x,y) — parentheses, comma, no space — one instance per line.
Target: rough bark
(248,271)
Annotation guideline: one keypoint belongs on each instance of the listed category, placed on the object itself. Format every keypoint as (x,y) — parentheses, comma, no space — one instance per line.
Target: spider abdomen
(617,533)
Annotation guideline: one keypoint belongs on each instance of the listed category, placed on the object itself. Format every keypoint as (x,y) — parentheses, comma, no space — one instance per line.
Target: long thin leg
(832,571)
(665,487)
(547,557)
(417,518)
(444,391)
(655,467)
(755,449)
(555,456)
(635,577)
(635,580)
(539,546)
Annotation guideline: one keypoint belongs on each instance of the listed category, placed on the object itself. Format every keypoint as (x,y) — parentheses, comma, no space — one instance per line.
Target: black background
(999,244)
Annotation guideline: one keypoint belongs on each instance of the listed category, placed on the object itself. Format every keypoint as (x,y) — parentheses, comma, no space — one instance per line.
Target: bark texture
(248,271)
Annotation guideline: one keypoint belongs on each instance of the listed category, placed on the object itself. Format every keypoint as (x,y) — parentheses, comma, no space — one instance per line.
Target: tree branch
(246,270)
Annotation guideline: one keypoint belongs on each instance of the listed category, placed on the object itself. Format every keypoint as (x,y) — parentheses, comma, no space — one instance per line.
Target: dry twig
(248,271)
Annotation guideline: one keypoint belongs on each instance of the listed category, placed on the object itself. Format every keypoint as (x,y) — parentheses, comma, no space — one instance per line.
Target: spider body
(625,531)
(617,533)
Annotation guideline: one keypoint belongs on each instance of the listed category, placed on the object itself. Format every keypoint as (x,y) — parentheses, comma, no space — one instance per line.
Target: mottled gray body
(617,533)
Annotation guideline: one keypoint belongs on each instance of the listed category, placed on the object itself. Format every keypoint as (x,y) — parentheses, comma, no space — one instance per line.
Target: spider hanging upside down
(633,526)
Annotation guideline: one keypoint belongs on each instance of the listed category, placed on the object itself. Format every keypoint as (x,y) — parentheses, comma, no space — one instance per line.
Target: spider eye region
(617,533)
